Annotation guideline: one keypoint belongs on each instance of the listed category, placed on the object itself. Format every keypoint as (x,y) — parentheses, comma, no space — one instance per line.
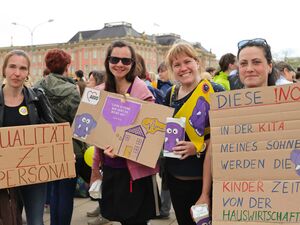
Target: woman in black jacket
(21,106)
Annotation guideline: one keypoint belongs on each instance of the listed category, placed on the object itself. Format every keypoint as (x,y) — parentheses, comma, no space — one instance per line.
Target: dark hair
(12,53)
(263,45)
(110,83)
(224,62)
(81,85)
(140,69)
(79,73)
(273,75)
(283,65)
(162,67)
(99,76)
(57,61)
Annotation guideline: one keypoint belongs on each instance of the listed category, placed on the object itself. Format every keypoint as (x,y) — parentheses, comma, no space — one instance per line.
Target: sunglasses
(256,41)
(125,61)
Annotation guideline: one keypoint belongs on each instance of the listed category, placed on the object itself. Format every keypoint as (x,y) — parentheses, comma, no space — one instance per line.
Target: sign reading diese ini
(256,155)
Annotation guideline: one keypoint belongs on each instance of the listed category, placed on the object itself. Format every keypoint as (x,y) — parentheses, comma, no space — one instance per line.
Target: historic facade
(88,49)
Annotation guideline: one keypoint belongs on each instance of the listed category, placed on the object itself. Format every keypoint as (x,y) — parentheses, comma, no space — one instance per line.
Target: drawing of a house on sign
(132,143)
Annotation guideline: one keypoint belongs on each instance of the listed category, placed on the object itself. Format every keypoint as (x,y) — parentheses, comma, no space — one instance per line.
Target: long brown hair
(110,83)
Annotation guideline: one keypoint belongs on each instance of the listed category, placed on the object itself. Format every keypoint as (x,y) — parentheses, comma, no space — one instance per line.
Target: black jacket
(37,104)
(39,112)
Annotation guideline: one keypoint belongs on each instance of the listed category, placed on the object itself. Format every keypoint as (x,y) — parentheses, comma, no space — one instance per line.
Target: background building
(88,49)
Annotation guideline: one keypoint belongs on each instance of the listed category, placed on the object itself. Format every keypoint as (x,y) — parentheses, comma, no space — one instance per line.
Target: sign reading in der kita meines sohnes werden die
(134,128)
(256,159)
(35,154)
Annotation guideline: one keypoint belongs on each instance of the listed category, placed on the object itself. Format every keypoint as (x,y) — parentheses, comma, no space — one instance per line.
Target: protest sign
(134,128)
(35,154)
(255,137)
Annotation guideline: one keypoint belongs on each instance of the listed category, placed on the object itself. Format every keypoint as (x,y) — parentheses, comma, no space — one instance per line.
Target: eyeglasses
(125,61)
(256,41)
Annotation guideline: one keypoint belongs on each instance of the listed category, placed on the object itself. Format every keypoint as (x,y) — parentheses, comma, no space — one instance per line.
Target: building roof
(110,30)
(124,29)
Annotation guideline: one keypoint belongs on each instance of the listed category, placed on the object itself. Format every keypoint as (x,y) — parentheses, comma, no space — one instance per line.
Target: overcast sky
(217,24)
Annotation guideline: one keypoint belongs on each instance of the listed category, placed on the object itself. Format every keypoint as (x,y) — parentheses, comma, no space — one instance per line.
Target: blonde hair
(180,48)
(206,75)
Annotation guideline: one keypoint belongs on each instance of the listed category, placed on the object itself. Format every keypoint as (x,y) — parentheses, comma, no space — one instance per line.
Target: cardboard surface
(257,200)
(35,154)
(232,112)
(267,117)
(134,128)
(253,97)
(265,165)
(255,136)
(247,128)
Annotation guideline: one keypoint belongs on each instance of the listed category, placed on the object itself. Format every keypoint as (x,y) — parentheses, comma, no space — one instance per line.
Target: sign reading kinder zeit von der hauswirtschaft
(256,155)
(35,154)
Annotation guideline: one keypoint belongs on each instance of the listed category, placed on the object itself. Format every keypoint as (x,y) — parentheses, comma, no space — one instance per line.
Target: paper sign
(35,154)
(134,128)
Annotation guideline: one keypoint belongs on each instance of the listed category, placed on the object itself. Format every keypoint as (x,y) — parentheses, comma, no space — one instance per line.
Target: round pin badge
(23,110)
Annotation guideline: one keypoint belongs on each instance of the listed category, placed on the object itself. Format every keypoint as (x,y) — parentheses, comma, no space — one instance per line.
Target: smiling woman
(255,63)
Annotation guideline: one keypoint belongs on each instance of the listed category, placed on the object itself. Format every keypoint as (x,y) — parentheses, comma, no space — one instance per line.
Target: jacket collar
(29,96)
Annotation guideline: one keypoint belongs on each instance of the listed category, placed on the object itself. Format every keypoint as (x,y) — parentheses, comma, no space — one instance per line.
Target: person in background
(163,83)
(227,64)
(185,175)
(20,106)
(211,70)
(96,78)
(207,76)
(287,73)
(255,70)
(64,97)
(130,202)
(79,81)
(153,78)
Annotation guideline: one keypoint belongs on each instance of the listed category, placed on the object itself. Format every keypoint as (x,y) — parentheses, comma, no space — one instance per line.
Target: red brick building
(88,48)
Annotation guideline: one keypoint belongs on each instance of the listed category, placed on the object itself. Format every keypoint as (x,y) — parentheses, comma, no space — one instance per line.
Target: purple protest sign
(119,113)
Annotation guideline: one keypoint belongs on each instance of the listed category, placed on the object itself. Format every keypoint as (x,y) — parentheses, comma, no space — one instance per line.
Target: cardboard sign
(35,154)
(256,155)
(258,200)
(253,97)
(134,128)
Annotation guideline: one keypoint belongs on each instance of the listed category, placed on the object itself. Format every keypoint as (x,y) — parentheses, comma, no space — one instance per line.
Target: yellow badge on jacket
(195,109)
(23,111)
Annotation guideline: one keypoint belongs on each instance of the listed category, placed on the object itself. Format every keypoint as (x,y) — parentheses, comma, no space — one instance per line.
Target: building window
(86,54)
(39,58)
(34,59)
(94,54)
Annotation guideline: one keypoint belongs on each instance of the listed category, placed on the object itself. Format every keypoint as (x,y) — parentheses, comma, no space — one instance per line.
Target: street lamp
(31,30)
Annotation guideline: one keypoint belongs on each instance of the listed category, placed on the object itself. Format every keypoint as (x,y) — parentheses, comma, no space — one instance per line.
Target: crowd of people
(180,84)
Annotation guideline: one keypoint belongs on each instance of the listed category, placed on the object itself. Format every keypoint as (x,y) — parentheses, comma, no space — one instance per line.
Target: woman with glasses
(255,70)
(124,199)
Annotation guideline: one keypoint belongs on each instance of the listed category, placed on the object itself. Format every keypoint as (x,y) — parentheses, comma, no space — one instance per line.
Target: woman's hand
(185,149)
(204,199)
(109,152)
